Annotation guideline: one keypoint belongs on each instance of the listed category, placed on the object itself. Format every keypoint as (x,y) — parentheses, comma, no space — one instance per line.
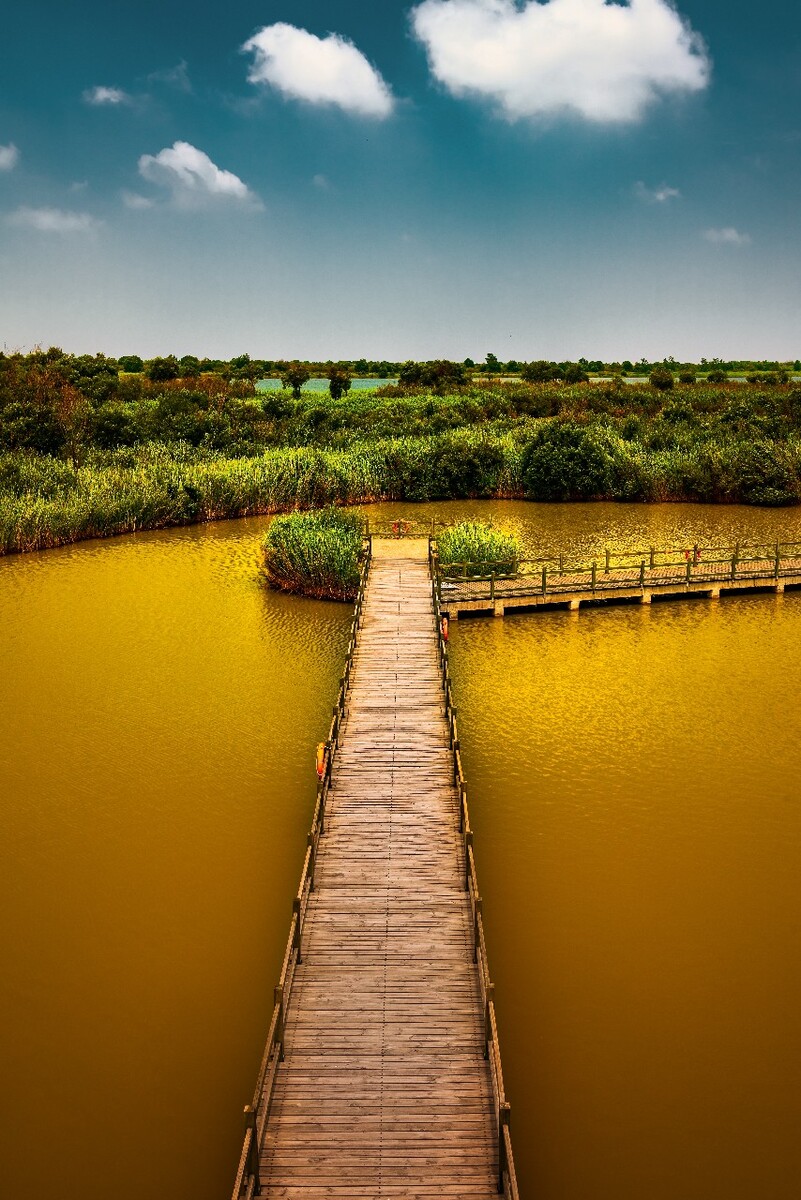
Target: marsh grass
(315,554)
(478,548)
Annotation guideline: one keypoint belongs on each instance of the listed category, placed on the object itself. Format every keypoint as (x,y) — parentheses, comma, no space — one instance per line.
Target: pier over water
(382,1073)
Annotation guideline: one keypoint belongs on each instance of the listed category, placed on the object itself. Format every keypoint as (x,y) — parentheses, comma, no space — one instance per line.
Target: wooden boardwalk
(390,1083)
(711,572)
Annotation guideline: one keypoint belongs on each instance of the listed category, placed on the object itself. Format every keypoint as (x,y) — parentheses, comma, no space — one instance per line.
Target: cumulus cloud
(193,179)
(657,195)
(605,62)
(728,236)
(9,157)
(53,220)
(100,96)
(326,70)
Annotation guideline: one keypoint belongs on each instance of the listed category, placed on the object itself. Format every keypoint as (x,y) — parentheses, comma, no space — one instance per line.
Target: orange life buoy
(321,760)
(444,626)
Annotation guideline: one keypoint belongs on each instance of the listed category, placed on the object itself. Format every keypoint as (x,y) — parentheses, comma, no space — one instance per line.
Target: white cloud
(135,201)
(326,70)
(602,61)
(106,95)
(662,194)
(53,220)
(9,157)
(193,179)
(321,182)
(728,236)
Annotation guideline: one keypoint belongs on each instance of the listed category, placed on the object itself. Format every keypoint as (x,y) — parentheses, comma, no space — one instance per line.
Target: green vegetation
(315,554)
(479,547)
(88,451)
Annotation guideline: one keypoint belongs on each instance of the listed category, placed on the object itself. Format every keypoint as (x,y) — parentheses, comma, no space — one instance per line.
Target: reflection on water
(633,782)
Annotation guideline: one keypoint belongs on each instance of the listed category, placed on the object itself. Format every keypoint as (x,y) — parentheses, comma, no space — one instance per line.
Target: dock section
(382,1074)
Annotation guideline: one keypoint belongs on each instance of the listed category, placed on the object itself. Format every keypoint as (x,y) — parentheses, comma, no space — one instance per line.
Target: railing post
(607,558)
(278,1000)
(544,580)
(312,859)
(642,575)
(492,586)
(478,908)
(504,1118)
(253,1150)
(776,569)
(594,574)
(733,566)
(296,909)
(689,569)
(652,558)
(488,1000)
(561,564)
(468,845)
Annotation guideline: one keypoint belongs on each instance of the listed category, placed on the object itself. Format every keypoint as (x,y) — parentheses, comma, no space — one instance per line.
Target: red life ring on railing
(444,628)
(321,760)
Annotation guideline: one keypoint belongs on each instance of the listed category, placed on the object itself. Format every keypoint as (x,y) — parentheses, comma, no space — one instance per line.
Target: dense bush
(315,554)
(568,461)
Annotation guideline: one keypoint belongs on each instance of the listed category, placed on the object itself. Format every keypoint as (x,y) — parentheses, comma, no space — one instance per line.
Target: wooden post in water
(607,559)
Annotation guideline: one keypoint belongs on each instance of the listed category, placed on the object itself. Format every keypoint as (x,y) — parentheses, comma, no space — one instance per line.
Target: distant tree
(512,366)
(243,367)
(294,375)
(492,364)
(716,377)
(162,369)
(468,362)
(575,373)
(438,375)
(686,376)
(190,366)
(361,367)
(131,364)
(539,371)
(661,378)
(626,365)
(339,381)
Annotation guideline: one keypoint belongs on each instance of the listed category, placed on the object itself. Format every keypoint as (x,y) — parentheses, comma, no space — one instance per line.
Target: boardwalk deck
(385,1090)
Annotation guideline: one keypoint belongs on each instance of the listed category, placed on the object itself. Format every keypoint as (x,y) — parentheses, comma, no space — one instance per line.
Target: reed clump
(478,548)
(315,553)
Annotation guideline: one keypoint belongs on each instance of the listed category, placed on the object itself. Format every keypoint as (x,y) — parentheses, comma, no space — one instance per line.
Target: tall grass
(315,554)
(479,548)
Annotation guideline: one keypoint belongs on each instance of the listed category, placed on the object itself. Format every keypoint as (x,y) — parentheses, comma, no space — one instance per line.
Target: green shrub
(567,461)
(480,548)
(315,554)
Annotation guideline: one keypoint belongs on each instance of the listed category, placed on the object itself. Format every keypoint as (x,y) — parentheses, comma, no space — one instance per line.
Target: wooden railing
(404,527)
(507,1179)
(637,570)
(257,1113)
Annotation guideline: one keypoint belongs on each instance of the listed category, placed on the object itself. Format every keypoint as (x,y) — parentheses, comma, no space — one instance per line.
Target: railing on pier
(507,1179)
(404,527)
(635,571)
(258,1112)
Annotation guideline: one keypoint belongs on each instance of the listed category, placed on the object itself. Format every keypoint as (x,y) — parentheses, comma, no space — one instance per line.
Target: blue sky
(443,178)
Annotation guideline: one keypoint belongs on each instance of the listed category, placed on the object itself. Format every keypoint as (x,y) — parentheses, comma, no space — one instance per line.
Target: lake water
(321,385)
(633,780)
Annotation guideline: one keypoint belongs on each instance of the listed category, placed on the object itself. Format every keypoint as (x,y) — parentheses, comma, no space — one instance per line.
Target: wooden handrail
(246,1183)
(507,1178)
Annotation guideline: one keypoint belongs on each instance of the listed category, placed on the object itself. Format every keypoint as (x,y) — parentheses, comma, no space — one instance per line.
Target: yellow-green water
(633,780)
